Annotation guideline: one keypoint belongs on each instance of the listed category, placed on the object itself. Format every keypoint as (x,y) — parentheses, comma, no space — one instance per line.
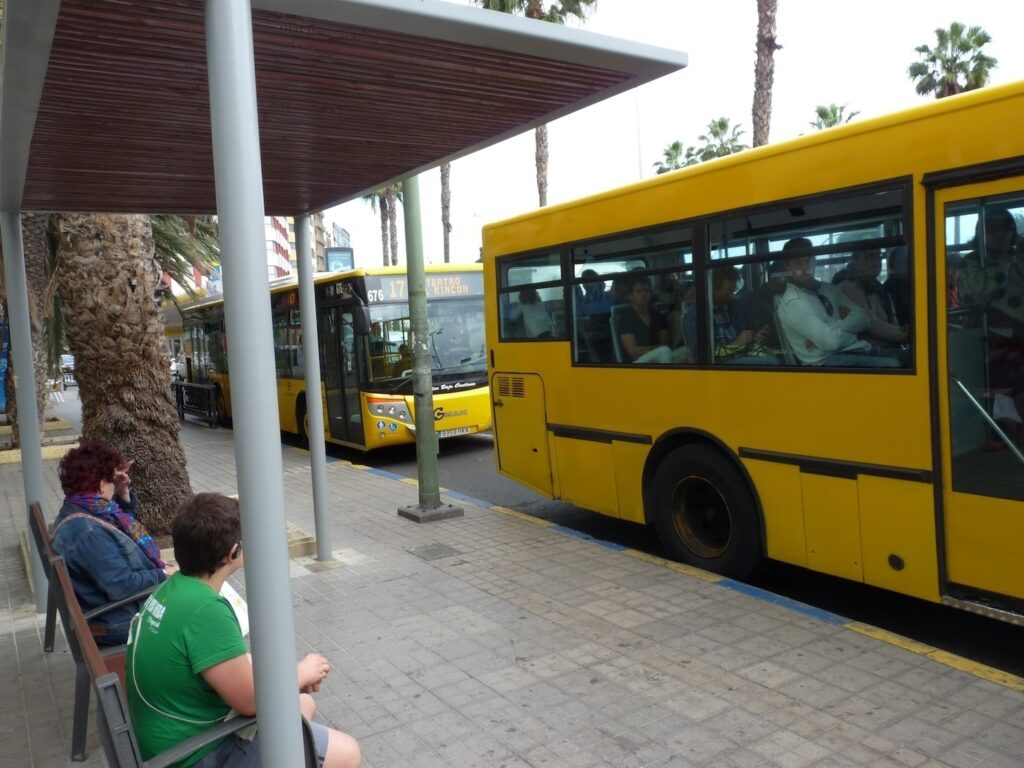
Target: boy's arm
(233,682)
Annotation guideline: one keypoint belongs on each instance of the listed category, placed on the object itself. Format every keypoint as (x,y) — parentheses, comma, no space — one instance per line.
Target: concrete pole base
(420,514)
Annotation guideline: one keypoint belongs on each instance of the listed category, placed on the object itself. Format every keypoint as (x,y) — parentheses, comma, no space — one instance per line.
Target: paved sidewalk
(493,640)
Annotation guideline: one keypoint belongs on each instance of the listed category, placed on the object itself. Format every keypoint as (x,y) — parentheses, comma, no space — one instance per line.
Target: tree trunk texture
(764,70)
(108,279)
(446,208)
(385,248)
(542,164)
(392,193)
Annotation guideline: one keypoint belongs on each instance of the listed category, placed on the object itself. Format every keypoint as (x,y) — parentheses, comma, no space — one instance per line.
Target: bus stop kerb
(113,107)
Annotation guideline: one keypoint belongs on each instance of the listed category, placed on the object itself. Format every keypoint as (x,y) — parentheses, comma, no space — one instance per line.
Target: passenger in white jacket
(818,321)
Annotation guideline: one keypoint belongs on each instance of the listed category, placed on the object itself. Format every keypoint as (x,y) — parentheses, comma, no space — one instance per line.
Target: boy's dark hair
(204,530)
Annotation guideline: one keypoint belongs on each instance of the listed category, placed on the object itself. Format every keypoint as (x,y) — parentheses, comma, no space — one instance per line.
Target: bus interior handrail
(991,422)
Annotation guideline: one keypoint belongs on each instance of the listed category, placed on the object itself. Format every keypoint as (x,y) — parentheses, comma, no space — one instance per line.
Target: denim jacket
(104,566)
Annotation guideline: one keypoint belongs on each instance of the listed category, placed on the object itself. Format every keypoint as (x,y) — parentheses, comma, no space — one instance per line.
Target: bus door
(980,365)
(341,375)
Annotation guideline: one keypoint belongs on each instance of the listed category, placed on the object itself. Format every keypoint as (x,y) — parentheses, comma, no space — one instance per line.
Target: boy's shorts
(234,752)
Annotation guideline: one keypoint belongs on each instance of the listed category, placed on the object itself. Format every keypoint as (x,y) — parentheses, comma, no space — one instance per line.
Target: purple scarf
(111,512)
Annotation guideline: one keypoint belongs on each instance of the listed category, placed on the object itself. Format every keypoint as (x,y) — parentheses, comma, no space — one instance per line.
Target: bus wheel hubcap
(701,517)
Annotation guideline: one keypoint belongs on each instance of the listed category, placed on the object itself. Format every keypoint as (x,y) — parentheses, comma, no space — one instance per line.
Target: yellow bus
(365,354)
(809,352)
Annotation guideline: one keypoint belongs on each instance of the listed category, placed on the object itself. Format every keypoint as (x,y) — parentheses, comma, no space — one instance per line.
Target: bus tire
(302,422)
(704,512)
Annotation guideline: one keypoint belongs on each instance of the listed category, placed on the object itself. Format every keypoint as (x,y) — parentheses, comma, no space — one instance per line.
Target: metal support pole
(314,399)
(16,286)
(239,179)
(430,507)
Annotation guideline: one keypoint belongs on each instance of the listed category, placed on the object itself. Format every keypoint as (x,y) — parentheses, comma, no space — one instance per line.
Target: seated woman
(109,553)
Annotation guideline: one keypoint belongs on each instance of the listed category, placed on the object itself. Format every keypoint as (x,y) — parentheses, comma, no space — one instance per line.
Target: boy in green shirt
(187,666)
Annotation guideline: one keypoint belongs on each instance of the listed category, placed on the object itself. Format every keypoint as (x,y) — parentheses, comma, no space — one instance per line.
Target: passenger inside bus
(537,322)
(758,304)
(638,335)
(817,322)
(859,281)
(735,341)
(991,281)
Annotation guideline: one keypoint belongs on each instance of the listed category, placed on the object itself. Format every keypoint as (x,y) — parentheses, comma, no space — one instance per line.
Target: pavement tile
(529,648)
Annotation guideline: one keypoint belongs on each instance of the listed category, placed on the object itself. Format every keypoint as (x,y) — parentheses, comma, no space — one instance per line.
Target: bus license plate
(455,432)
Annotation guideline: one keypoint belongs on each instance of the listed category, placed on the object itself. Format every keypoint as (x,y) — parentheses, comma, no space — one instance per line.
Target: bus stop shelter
(242,108)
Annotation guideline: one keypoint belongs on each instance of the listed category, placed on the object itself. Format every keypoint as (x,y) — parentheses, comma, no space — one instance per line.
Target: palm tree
(446,208)
(556,14)
(108,279)
(831,115)
(764,70)
(721,139)
(956,63)
(377,200)
(393,194)
(676,156)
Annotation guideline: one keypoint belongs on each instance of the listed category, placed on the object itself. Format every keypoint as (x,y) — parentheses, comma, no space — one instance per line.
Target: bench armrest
(187,747)
(92,614)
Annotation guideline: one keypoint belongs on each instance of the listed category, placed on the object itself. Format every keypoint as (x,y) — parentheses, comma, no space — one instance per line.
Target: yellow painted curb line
(50,452)
(48,426)
(689,570)
(974,668)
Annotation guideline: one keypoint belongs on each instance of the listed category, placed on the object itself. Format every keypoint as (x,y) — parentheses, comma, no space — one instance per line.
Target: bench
(192,399)
(105,673)
(49,557)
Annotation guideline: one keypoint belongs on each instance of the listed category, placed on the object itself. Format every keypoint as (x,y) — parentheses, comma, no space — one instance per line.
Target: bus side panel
(286,390)
(778,486)
(588,476)
(832,523)
(629,471)
(983,546)
(520,430)
(898,519)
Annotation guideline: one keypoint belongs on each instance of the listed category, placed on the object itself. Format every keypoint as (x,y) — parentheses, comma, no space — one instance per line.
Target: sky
(852,53)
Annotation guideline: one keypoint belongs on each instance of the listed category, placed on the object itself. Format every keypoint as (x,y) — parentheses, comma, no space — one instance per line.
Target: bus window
(531,301)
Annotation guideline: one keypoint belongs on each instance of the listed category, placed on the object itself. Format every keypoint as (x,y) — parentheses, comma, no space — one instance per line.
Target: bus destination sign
(386,288)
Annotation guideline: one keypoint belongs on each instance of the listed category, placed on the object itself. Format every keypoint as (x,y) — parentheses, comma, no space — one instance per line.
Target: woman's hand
(123,481)
(312,670)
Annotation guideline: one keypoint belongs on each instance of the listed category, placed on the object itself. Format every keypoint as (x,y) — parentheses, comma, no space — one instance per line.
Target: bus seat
(785,347)
(613,324)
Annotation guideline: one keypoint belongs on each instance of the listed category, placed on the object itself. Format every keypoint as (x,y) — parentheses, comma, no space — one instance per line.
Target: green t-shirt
(184,628)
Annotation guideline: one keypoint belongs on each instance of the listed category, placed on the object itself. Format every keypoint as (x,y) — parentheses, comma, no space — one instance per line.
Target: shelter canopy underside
(352,94)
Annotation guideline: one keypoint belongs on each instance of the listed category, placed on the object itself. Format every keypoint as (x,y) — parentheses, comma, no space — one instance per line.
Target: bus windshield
(456,339)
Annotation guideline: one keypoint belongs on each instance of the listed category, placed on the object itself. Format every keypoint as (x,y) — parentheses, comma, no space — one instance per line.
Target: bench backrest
(111,709)
(41,536)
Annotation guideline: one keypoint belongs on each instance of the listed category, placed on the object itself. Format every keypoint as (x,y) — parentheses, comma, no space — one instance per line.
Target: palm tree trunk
(446,208)
(108,280)
(764,70)
(542,164)
(385,248)
(392,193)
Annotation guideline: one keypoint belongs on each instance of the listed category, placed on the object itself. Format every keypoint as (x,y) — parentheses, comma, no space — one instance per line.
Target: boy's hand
(312,670)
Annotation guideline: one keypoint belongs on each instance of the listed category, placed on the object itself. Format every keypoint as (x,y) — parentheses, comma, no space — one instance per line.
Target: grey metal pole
(314,398)
(239,180)
(430,507)
(16,285)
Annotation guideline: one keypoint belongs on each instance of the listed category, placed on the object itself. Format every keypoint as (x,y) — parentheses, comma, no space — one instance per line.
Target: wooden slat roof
(352,94)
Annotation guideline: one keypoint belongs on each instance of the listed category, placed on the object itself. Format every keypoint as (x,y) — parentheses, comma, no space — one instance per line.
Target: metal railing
(199,400)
